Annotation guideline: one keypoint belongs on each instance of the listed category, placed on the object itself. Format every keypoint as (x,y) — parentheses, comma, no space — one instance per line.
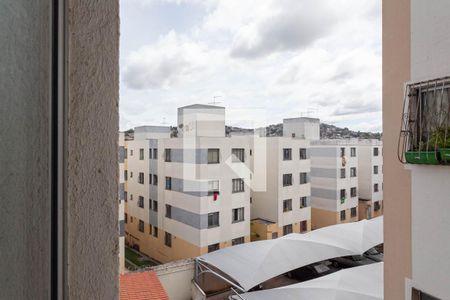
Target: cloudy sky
(264,60)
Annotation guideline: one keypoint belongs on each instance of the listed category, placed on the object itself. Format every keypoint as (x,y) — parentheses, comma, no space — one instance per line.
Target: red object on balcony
(215,195)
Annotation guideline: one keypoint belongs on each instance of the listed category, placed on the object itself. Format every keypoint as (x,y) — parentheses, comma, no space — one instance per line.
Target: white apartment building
(188,195)
(121,197)
(370,178)
(282,204)
(334,182)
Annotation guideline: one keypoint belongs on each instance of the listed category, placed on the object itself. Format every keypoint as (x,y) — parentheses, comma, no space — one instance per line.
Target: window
(125,175)
(238,215)
(353,172)
(274,235)
(343,195)
(125,218)
(213,219)
(287,229)
(287,154)
(141,154)
(131,152)
(375,169)
(150,156)
(131,219)
(376,206)
(353,212)
(131,174)
(237,241)
(303,178)
(141,226)
(303,226)
(131,197)
(343,173)
(375,188)
(342,215)
(167,239)
(419,295)
(287,205)
(149,178)
(375,151)
(155,231)
(155,179)
(287,179)
(303,154)
(342,152)
(168,211)
(150,204)
(213,247)
(353,192)
(125,196)
(155,153)
(155,206)
(150,229)
(238,155)
(213,156)
(303,202)
(168,155)
(126,153)
(141,178)
(238,185)
(141,202)
(213,187)
(353,152)
(250,152)
(168,183)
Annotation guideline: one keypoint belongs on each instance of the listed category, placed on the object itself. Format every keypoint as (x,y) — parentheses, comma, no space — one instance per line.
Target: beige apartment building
(416,55)
(122,157)
(370,178)
(187,194)
(334,182)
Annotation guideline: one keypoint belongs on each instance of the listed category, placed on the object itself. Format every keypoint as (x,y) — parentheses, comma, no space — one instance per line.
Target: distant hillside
(326,132)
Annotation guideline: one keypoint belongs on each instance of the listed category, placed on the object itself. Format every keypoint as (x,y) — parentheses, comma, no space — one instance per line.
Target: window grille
(425,127)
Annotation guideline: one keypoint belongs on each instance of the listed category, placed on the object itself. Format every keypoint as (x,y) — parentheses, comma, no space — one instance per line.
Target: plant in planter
(441,139)
(423,155)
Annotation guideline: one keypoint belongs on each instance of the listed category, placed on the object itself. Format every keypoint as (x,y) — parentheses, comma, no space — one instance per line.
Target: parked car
(374,255)
(351,261)
(313,271)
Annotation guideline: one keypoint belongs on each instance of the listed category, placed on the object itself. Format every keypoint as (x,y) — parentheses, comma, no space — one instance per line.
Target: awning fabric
(253,263)
(358,283)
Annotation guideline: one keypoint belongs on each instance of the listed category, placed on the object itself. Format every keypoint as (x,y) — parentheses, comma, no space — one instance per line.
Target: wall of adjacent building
(430,224)
(397,184)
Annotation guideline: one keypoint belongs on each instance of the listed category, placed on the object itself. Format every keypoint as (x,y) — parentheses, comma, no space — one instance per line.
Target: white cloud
(171,59)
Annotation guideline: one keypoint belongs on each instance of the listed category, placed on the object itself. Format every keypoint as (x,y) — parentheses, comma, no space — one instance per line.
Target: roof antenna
(214,102)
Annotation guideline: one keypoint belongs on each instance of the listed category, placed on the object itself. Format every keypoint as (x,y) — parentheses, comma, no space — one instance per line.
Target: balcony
(425,132)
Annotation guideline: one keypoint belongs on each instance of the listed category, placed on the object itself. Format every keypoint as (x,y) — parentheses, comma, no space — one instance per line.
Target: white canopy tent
(253,263)
(358,283)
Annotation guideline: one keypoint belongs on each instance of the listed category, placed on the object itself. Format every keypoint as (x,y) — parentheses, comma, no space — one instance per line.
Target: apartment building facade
(188,195)
(334,182)
(121,197)
(282,205)
(416,49)
(370,178)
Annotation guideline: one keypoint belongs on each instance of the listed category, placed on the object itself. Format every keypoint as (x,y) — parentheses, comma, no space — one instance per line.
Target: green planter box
(445,155)
(422,157)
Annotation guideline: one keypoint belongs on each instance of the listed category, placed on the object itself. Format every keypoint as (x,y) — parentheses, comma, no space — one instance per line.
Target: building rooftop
(141,286)
(201,106)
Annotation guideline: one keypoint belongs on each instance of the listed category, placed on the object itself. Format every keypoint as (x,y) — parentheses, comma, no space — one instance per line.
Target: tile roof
(141,286)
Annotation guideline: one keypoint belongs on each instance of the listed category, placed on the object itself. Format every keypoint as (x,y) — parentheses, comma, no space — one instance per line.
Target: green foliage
(440,138)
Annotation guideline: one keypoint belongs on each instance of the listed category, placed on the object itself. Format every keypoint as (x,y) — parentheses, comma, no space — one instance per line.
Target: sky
(263,60)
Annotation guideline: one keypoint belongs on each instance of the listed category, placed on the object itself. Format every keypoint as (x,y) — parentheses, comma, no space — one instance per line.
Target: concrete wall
(176,278)
(24,149)
(397,184)
(93,118)
(430,225)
